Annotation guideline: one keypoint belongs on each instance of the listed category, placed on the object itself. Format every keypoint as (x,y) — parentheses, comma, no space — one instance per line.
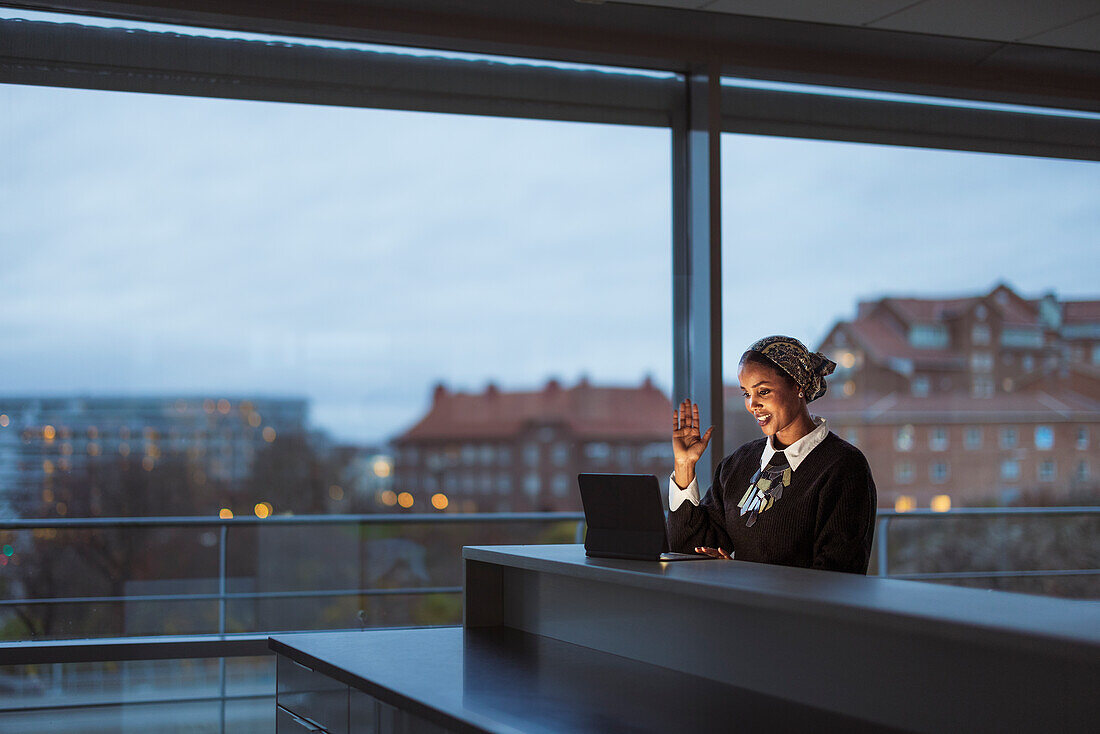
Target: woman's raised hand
(687,444)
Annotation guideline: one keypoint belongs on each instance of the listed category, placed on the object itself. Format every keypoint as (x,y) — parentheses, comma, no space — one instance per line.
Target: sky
(171,245)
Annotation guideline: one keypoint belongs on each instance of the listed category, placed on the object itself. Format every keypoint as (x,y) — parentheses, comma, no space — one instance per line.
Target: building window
(982,387)
(981,362)
(1082,438)
(532,484)
(560,454)
(504,456)
(487,455)
(531,454)
(625,456)
(937,438)
(973,437)
(504,483)
(920,386)
(1010,470)
(929,336)
(903,438)
(980,312)
(1046,471)
(560,485)
(1027,363)
(657,451)
(598,451)
(468,482)
(980,334)
(939,472)
(1008,438)
(1044,437)
(1096,353)
(469,454)
(903,472)
(1082,472)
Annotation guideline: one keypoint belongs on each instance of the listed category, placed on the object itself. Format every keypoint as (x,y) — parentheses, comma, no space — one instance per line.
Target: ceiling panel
(843,12)
(1002,20)
(1084,34)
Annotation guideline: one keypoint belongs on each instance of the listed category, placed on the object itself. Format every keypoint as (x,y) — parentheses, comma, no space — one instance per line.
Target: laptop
(626,518)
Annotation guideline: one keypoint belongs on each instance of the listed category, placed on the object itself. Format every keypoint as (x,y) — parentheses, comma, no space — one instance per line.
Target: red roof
(1078,311)
(882,343)
(625,413)
(925,310)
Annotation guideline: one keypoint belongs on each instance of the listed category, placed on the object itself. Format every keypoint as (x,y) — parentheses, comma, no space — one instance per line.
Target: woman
(800,496)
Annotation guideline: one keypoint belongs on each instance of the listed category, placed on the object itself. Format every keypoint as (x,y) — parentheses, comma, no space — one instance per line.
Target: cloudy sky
(155,245)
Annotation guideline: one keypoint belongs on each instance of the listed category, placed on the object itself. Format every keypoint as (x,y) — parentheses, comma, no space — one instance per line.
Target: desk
(554,641)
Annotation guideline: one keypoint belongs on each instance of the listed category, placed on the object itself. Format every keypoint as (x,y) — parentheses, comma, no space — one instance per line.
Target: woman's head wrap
(808,370)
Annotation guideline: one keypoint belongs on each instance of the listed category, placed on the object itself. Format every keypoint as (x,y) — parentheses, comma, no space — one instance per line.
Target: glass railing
(109,581)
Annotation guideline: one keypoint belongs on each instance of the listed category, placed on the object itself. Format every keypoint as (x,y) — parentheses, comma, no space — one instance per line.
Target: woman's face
(771,397)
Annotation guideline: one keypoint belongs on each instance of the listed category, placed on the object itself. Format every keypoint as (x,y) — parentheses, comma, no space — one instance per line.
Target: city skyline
(356,257)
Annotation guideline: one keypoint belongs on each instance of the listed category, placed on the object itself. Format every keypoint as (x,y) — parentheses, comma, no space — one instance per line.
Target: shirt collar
(801,448)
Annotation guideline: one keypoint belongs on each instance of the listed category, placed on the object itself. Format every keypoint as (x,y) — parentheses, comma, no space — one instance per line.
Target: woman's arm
(846,517)
(691,527)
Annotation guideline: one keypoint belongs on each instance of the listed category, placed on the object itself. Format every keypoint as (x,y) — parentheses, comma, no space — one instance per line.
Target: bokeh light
(225,513)
(405,500)
(388,498)
(440,501)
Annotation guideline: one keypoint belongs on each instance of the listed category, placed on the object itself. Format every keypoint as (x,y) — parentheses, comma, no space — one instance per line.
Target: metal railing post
(883,545)
(223,562)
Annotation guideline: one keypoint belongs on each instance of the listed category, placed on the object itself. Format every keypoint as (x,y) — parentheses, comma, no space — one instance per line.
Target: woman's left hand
(713,552)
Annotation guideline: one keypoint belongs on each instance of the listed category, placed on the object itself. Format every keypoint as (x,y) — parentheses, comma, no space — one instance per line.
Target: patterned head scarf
(808,370)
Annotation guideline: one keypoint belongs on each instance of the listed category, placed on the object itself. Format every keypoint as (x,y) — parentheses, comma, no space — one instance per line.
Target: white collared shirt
(795,454)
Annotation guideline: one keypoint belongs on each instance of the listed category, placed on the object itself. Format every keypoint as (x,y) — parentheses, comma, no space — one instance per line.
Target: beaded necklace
(765,487)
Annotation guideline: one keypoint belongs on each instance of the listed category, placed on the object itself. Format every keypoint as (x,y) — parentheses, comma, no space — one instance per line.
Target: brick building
(978,399)
(503,451)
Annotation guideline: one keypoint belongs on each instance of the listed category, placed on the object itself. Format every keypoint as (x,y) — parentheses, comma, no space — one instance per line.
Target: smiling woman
(800,496)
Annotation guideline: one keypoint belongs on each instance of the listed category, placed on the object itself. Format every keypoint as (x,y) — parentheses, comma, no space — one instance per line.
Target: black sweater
(825,519)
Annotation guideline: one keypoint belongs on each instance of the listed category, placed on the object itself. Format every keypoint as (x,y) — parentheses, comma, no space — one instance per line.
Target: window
(1008,437)
(1082,472)
(929,336)
(973,437)
(487,454)
(903,472)
(979,335)
(532,484)
(469,454)
(1010,470)
(504,456)
(625,456)
(1027,364)
(981,362)
(982,387)
(560,454)
(1096,353)
(1044,437)
(598,451)
(560,485)
(903,438)
(504,483)
(1026,337)
(1082,438)
(531,454)
(938,472)
(1046,471)
(920,386)
(937,438)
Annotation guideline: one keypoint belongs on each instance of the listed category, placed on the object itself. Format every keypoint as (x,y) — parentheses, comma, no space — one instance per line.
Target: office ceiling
(1062,24)
(1035,52)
